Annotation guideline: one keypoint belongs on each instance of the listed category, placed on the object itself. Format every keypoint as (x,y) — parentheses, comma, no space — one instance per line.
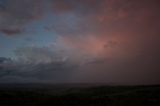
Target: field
(78,95)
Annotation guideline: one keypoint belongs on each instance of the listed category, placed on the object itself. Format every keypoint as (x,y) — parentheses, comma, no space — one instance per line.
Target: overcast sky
(98,41)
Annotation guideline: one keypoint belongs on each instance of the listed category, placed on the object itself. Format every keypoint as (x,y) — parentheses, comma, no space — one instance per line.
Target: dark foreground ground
(78,95)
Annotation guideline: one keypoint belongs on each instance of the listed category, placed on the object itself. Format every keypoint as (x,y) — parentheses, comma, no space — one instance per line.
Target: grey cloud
(55,71)
(16,14)
(39,64)
(80,16)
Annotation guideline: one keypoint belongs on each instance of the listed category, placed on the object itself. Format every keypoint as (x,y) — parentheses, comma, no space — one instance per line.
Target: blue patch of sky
(2,4)
(35,34)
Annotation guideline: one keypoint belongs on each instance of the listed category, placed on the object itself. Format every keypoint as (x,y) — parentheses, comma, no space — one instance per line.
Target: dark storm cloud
(36,64)
(53,71)
(2,59)
(11,31)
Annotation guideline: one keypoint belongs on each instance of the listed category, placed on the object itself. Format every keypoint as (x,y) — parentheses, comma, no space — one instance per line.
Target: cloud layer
(97,40)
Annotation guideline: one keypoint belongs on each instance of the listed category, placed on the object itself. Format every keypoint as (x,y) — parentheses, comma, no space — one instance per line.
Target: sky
(80,41)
